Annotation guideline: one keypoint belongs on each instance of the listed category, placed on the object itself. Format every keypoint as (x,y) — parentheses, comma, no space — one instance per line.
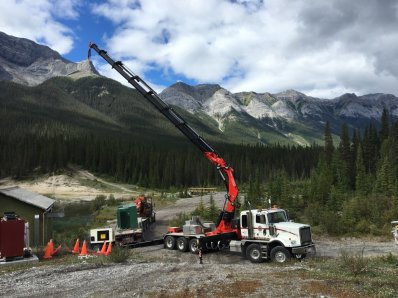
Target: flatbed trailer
(121,237)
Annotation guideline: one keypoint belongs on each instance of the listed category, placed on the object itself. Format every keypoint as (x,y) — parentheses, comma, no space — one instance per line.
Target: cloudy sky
(322,48)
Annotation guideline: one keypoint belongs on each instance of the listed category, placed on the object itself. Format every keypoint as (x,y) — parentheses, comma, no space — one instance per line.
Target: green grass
(353,275)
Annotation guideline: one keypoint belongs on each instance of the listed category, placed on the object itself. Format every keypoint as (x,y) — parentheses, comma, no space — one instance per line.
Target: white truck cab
(268,234)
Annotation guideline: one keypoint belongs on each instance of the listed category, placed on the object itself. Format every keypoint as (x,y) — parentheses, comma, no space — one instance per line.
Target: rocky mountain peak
(23,52)
(83,69)
(290,95)
(26,62)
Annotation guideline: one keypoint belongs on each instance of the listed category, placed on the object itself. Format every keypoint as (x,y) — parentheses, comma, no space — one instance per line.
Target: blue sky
(322,48)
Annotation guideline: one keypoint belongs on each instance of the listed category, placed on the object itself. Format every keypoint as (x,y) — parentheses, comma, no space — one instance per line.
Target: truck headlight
(294,242)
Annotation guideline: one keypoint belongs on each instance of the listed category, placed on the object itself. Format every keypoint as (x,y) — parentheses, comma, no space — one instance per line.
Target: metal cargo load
(127,217)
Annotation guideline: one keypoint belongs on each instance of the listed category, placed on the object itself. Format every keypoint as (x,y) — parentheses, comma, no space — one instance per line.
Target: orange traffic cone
(75,249)
(109,250)
(103,249)
(51,246)
(48,252)
(57,250)
(83,252)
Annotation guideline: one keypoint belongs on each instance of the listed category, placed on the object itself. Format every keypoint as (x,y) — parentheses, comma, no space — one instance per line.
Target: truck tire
(182,244)
(170,242)
(194,245)
(280,254)
(253,253)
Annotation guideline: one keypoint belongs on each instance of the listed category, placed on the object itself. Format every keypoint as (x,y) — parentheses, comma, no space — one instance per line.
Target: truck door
(246,225)
(260,226)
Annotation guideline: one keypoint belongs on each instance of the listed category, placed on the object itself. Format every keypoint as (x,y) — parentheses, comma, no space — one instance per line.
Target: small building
(31,207)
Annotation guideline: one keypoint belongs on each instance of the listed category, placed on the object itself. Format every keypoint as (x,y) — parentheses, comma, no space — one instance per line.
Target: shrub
(179,220)
(119,254)
(98,202)
(354,263)
(390,259)
(112,201)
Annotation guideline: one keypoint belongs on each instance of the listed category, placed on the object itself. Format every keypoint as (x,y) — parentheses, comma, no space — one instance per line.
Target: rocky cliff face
(284,111)
(26,62)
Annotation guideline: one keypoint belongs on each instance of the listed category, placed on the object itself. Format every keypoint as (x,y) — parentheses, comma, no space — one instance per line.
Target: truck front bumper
(305,250)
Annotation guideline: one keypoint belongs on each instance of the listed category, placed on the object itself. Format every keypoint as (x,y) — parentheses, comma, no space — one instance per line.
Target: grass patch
(355,263)
(352,275)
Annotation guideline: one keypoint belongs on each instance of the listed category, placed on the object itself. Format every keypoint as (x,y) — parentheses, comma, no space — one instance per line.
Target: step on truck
(276,239)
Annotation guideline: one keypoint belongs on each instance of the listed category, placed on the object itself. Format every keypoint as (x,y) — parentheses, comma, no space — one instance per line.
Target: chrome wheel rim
(254,254)
(280,257)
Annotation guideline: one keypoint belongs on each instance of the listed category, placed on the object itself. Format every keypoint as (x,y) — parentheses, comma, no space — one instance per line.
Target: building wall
(28,212)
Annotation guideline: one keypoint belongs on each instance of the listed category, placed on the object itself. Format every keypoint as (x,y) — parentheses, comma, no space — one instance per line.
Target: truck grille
(305,236)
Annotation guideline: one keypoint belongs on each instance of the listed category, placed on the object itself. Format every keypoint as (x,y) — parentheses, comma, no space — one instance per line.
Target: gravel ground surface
(156,272)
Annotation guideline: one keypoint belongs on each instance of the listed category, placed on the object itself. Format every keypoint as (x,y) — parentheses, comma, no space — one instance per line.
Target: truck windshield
(275,217)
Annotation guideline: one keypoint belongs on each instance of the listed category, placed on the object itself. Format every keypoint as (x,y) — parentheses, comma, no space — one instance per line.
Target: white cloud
(321,48)
(38,20)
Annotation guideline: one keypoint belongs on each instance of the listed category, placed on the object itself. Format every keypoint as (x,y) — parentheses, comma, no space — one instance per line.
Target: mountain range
(291,114)
(245,117)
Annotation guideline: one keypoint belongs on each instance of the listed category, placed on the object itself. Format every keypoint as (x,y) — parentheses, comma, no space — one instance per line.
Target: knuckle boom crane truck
(258,234)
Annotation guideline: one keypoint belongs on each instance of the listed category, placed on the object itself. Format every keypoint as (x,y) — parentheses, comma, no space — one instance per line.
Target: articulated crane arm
(226,216)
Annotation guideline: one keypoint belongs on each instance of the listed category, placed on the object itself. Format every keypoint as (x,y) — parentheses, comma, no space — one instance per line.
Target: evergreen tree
(361,185)
(370,149)
(200,209)
(329,148)
(384,176)
(213,211)
(345,159)
(384,132)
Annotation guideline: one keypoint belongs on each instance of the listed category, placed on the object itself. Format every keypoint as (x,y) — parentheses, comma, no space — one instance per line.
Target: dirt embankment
(74,185)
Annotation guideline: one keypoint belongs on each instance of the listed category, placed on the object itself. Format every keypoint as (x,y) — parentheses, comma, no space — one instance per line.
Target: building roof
(28,197)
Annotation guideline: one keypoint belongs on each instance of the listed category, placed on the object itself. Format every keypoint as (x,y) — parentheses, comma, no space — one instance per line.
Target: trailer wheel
(170,242)
(194,245)
(280,254)
(253,253)
(182,244)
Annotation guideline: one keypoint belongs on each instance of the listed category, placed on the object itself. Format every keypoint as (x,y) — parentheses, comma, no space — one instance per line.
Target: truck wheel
(253,253)
(280,254)
(182,244)
(170,242)
(194,245)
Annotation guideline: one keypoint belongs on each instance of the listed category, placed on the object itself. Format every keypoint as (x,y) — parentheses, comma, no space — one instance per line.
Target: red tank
(12,239)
